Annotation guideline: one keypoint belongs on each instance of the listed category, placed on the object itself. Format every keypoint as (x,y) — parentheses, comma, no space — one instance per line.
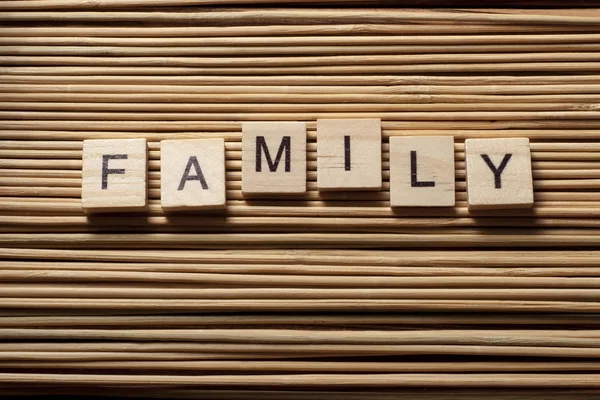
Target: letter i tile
(349,154)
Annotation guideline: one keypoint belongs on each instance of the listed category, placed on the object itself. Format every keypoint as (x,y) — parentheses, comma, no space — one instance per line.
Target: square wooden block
(499,173)
(192,174)
(422,171)
(349,154)
(114,175)
(273,157)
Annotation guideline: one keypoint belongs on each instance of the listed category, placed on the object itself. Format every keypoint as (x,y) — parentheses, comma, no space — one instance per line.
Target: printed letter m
(261,146)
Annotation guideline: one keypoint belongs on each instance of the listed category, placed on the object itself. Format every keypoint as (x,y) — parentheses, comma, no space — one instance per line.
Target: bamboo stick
(359,62)
(540,129)
(542,338)
(325,380)
(248,224)
(178,306)
(436,257)
(339,277)
(587,18)
(540,237)
(268,227)
(298,50)
(41,36)
(309,366)
(86,67)
(182,101)
(201,351)
(18,75)
(334,394)
(86,291)
(356,394)
(277,29)
(13,110)
(74,321)
(42,5)
(296,274)
(281,116)
(395,86)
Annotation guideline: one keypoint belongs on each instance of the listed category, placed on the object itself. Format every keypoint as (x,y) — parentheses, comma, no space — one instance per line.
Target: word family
(349,157)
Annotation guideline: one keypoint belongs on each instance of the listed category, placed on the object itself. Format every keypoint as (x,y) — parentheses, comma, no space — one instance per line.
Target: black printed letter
(106,171)
(414,182)
(261,145)
(193,161)
(347,165)
(497,171)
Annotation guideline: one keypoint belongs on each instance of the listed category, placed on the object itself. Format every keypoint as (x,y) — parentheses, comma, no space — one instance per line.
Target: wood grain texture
(316,294)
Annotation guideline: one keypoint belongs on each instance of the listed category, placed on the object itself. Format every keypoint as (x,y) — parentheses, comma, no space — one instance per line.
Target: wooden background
(324,295)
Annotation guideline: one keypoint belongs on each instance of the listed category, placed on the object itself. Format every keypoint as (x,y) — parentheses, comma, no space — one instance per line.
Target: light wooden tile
(192,174)
(114,175)
(273,157)
(349,154)
(499,173)
(422,171)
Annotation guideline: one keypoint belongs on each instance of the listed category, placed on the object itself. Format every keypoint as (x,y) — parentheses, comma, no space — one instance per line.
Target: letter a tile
(273,157)
(499,173)
(192,174)
(114,175)
(349,154)
(422,171)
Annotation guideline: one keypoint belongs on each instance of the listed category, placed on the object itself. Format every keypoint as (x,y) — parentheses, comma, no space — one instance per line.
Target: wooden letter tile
(499,173)
(273,157)
(349,154)
(422,171)
(114,175)
(192,174)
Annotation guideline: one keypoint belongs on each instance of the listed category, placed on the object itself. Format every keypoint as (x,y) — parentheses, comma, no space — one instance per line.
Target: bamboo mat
(322,295)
